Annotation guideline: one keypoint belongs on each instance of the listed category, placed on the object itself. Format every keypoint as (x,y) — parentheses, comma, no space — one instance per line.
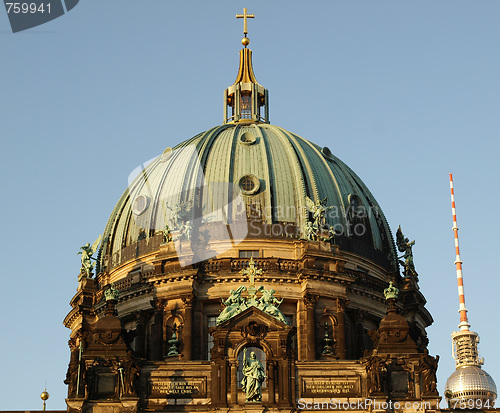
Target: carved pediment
(253,314)
(252,326)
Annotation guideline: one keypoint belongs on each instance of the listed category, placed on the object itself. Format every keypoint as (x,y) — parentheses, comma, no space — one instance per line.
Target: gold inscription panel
(182,387)
(329,387)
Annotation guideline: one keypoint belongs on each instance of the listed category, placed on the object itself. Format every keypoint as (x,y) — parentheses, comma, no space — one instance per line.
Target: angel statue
(269,304)
(318,209)
(87,251)
(181,213)
(234,304)
(404,245)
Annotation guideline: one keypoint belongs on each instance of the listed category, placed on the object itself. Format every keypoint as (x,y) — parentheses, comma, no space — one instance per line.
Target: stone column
(157,334)
(310,301)
(271,382)
(284,383)
(189,301)
(219,383)
(234,382)
(140,337)
(359,333)
(341,306)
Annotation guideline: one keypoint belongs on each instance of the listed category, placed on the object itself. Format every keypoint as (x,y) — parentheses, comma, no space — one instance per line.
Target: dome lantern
(245,100)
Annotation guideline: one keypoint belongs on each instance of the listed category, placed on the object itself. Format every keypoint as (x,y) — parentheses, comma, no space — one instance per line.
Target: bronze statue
(235,304)
(269,304)
(87,251)
(310,231)
(167,235)
(405,246)
(254,375)
(318,209)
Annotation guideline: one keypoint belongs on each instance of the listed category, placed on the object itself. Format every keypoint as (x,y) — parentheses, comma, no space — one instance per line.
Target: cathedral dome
(275,173)
(245,237)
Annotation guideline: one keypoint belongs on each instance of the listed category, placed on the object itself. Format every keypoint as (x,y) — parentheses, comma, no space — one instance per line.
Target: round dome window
(167,153)
(249,184)
(248,138)
(140,204)
(327,153)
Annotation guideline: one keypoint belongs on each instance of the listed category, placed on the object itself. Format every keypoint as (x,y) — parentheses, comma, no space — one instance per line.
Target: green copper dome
(275,171)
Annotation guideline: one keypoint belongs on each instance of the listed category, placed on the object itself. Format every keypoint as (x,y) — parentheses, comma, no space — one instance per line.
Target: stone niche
(253,328)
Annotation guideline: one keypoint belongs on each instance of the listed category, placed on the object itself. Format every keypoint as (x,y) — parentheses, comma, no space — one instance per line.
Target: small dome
(276,171)
(471,383)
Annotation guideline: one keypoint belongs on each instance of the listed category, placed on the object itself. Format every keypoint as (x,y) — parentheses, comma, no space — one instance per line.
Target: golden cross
(251,272)
(245,16)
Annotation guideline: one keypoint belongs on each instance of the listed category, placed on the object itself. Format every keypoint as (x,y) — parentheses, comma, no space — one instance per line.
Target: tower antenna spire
(464,322)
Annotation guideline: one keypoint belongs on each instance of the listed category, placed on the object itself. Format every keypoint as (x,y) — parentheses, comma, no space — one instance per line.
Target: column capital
(140,316)
(189,300)
(310,300)
(159,304)
(341,304)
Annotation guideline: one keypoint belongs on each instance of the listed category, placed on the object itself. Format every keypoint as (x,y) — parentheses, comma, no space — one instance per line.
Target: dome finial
(245,41)
(245,100)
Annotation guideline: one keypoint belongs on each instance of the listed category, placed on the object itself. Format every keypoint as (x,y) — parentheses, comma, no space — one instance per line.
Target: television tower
(469,386)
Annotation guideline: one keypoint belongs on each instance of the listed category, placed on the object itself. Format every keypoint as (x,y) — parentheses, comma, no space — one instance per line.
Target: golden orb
(245,41)
(45,395)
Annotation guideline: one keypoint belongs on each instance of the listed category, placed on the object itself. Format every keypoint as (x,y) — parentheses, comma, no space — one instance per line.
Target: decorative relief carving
(189,300)
(254,332)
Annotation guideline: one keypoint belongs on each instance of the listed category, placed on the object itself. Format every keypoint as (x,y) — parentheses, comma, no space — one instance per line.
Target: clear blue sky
(403,92)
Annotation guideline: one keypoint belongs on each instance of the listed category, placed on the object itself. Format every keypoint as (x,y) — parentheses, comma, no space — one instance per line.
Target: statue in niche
(405,246)
(318,209)
(235,304)
(254,376)
(269,304)
(87,251)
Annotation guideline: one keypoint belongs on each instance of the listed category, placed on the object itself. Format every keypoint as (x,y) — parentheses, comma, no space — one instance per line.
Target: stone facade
(342,340)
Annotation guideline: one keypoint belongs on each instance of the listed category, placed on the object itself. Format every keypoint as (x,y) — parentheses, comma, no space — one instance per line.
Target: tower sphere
(471,383)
